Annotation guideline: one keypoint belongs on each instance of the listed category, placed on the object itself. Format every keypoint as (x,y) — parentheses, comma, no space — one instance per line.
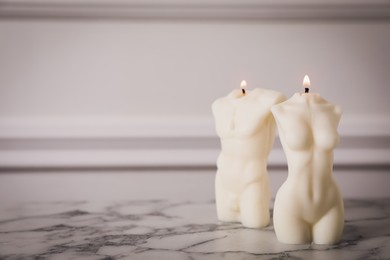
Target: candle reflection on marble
(308,206)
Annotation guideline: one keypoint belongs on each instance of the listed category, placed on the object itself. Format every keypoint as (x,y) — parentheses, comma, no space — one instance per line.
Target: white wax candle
(246,128)
(308,206)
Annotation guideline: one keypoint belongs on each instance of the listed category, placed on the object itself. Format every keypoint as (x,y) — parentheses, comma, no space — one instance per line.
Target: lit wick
(243,86)
(306,83)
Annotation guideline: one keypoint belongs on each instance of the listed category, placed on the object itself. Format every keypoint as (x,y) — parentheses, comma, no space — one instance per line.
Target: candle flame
(306,81)
(243,84)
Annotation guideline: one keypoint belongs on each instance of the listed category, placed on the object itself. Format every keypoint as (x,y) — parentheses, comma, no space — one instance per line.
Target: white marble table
(158,229)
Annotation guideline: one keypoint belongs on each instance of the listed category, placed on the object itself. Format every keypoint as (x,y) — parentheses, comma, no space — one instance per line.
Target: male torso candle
(246,128)
(308,206)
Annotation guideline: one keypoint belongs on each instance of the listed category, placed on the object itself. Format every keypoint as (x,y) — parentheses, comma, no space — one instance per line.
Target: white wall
(135,68)
(81,92)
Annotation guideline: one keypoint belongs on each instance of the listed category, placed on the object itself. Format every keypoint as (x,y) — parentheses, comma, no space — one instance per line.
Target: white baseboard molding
(159,143)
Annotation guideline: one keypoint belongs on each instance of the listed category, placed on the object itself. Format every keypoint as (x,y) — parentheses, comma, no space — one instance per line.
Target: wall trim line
(195,10)
(159,142)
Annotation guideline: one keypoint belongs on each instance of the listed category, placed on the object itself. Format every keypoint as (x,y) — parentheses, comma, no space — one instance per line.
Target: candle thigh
(308,206)
(246,128)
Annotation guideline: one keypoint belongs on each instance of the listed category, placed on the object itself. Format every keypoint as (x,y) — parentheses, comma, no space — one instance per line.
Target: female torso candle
(308,207)
(246,127)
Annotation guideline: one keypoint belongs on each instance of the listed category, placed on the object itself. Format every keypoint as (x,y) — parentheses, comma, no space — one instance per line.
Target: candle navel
(243,86)
(306,83)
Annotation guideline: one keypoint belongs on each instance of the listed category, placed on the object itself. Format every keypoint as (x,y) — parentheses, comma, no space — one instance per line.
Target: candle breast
(308,206)
(246,128)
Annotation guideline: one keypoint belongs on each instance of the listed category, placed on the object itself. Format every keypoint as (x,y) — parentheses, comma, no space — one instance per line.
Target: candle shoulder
(306,103)
(242,116)
(265,97)
(303,125)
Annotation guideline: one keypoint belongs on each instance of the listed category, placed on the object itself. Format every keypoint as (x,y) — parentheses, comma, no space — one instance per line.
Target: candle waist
(248,148)
(316,162)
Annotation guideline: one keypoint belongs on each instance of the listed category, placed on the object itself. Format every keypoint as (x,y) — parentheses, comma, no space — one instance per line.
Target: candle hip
(308,206)
(246,129)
